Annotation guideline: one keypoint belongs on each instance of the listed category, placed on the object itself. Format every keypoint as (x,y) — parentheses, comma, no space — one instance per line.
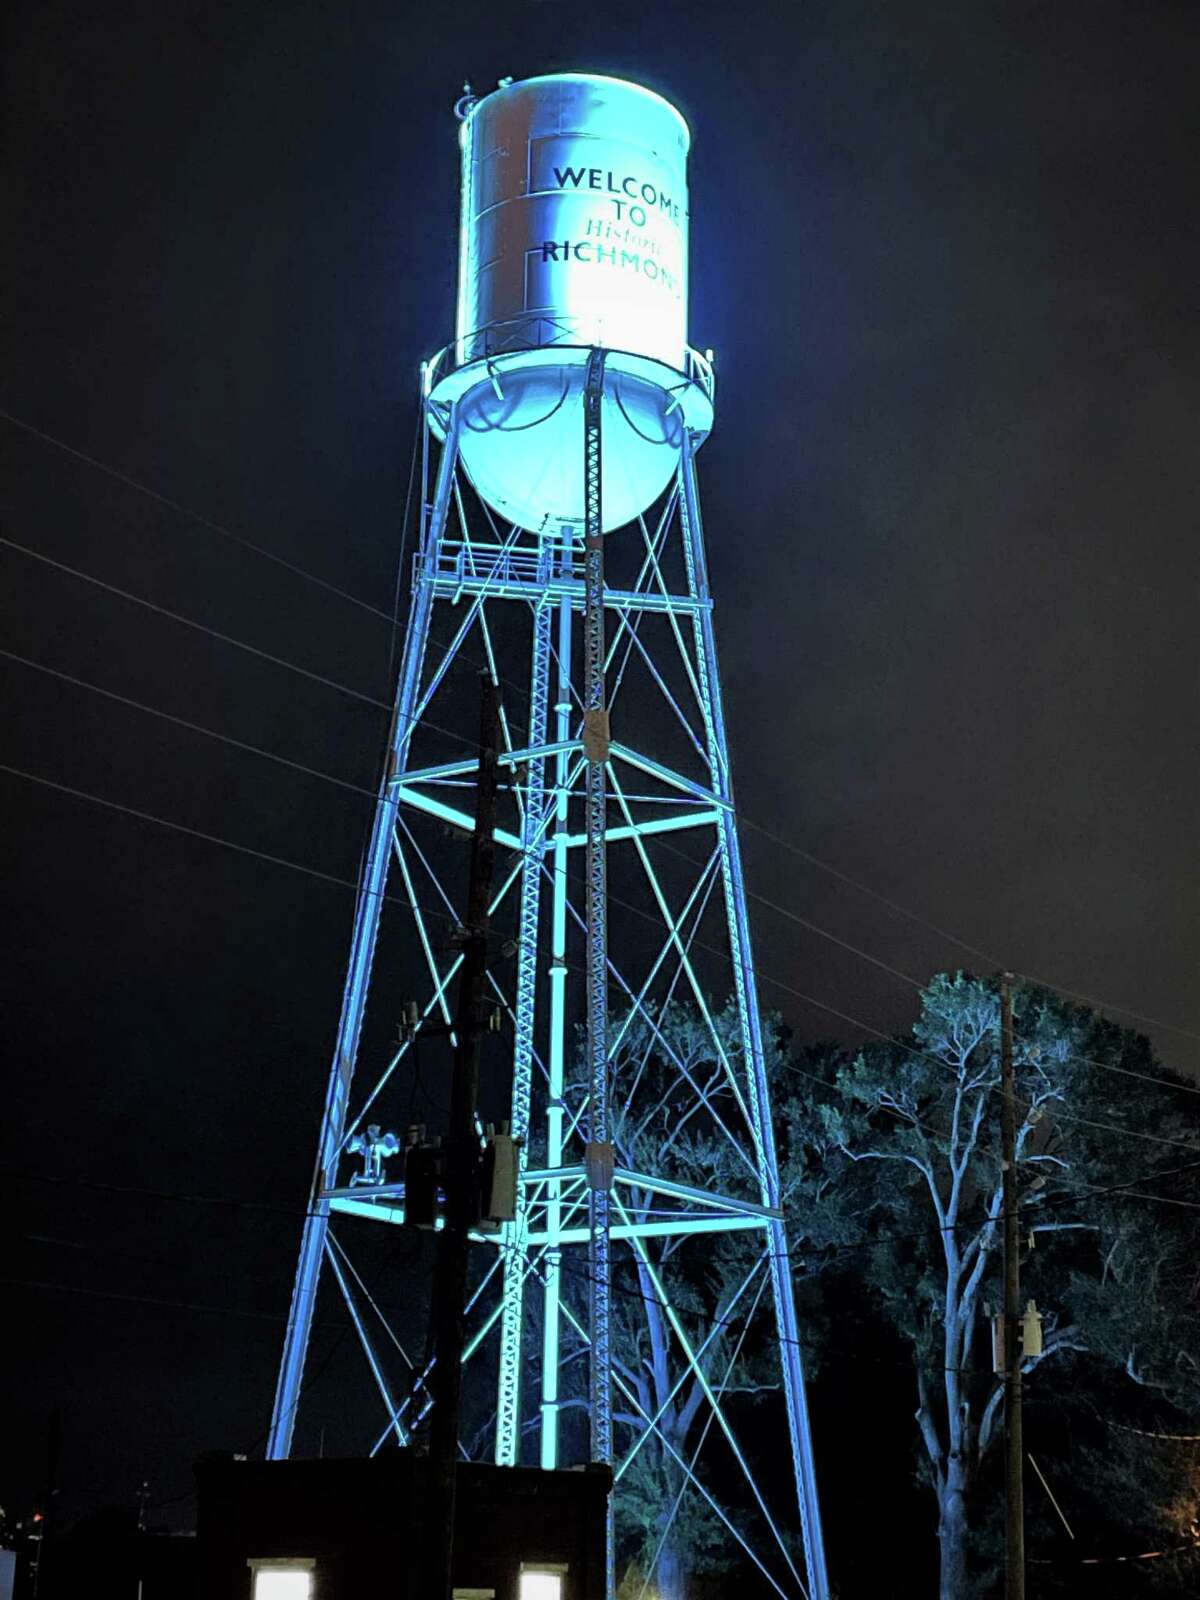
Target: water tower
(561,548)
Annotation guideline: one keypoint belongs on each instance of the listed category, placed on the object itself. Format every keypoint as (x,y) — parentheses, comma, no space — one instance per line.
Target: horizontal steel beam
(451,814)
(662,1228)
(699,1197)
(367,1208)
(639,830)
(447,586)
(653,1185)
(665,1228)
(356,1191)
(468,769)
(375,1211)
(386,1204)
(643,830)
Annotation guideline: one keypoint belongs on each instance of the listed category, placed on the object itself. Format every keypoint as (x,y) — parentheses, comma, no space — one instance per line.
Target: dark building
(104,1557)
(341,1529)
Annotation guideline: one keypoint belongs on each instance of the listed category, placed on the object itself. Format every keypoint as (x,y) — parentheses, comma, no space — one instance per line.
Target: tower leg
(508,1391)
(556,1054)
(372,887)
(739,935)
(595,744)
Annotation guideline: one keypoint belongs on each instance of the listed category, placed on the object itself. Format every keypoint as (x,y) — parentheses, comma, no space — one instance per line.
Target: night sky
(946,257)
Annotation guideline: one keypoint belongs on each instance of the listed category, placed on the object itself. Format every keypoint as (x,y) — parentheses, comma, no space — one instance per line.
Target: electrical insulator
(1031,1330)
(498,1179)
(409,1022)
(422,1168)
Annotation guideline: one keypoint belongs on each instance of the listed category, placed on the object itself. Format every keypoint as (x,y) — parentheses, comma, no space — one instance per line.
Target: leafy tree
(1125,1487)
(909,1141)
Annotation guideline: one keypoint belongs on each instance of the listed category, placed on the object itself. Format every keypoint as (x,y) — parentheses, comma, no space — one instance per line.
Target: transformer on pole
(562,549)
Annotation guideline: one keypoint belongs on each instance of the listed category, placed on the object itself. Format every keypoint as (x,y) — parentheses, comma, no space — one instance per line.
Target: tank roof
(591,77)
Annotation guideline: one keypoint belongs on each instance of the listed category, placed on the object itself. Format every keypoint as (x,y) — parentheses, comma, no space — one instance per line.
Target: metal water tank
(574,235)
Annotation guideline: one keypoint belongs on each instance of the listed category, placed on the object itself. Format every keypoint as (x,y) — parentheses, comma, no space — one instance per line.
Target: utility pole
(1014,1499)
(142,1501)
(461,1171)
(47,1520)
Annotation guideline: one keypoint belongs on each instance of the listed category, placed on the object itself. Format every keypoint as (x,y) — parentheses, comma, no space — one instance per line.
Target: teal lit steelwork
(648,799)
(619,871)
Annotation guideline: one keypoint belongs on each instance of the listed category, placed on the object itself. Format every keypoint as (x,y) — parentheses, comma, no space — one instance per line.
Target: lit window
(540,1585)
(282,1583)
(282,1580)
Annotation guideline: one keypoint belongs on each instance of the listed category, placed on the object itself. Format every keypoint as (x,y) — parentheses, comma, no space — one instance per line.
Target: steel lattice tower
(620,876)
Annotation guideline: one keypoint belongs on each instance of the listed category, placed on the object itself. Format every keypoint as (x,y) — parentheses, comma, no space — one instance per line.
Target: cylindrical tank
(574,235)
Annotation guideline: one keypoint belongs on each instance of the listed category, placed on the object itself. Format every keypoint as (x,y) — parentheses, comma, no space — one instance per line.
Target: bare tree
(916,1128)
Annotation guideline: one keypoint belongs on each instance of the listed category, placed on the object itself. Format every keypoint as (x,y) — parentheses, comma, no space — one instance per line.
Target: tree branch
(987,1423)
(923,1167)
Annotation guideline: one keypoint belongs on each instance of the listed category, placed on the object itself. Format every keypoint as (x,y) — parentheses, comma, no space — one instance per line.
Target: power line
(890,1039)
(580,1269)
(577,1269)
(1165,1200)
(327,877)
(200,627)
(810,927)
(915,917)
(210,733)
(183,722)
(145,1300)
(213,838)
(175,616)
(225,738)
(872,894)
(193,516)
(1167,1438)
(741,817)
(864,955)
(343,783)
(313,772)
(74,1181)
(1128,1187)
(1111,1005)
(1127,1133)
(391,617)
(1131,1072)
(1106,1561)
(923,1055)
(913,983)
(776,838)
(993,961)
